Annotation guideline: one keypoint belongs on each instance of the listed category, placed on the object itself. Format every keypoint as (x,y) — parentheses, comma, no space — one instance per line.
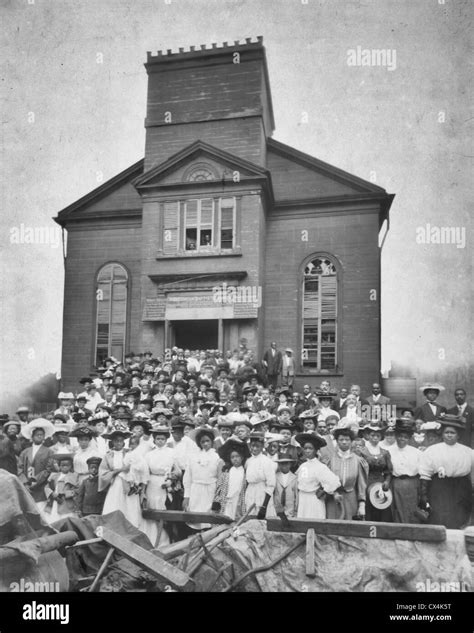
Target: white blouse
(202,468)
(446,461)
(405,461)
(236,479)
(261,469)
(313,473)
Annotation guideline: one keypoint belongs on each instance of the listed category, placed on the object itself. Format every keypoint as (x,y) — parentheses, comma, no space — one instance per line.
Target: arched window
(111,299)
(319,345)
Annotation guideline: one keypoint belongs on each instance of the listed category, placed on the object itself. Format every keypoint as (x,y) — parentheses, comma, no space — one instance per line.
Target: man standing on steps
(272,361)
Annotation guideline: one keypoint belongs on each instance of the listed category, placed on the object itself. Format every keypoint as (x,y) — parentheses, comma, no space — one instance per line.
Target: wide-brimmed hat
(224,421)
(233,444)
(432,385)
(16,423)
(405,425)
(203,431)
(84,431)
(239,418)
(143,422)
(62,427)
(285,458)
(308,415)
(249,389)
(316,440)
(158,411)
(40,423)
(257,436)
(160,429)
(285,426)
(265,416)
(23,409)
(329,395)
(432,426)
(376,426)
(219,409)
(65,395)
(116,433)
(380,498)
(448,419)
(344,430)
(60,457)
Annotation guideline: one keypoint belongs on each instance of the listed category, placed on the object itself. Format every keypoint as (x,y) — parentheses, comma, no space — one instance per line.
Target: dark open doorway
(196,334)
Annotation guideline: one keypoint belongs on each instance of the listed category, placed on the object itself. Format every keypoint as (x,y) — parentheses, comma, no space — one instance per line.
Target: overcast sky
(73,111)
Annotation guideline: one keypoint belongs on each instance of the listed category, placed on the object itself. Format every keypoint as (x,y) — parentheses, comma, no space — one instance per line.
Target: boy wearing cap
(89,499)
(285,496)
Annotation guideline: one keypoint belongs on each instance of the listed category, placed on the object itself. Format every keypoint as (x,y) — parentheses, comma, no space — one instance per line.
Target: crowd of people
(201,431)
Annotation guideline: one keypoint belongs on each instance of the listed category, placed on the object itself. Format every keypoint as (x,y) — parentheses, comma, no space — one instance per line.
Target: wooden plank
(178,548)
(176,516)
(145,559)
(362,529)
(310,564)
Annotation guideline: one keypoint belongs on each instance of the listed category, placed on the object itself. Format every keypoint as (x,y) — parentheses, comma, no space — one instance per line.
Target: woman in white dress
(315,480)
(200,477)
(260,476)
(161,464)
(86,448)
(230,492)
(117,497)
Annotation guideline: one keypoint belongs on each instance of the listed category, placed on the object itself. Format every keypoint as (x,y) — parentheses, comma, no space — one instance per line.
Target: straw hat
(39,423)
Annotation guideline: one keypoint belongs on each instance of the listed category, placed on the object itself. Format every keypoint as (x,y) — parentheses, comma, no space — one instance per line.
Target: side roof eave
(127,175)
(318,165)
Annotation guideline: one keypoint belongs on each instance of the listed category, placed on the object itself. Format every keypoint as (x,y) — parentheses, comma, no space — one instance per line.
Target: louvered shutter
(170,227)
(328,321)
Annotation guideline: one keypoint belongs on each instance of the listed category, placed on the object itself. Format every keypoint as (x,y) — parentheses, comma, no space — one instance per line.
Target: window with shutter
(227,223)
(111,311)
(199,224)
(170,227)
(319,344)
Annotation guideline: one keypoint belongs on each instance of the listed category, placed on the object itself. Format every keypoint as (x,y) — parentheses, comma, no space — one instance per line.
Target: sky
(73,108)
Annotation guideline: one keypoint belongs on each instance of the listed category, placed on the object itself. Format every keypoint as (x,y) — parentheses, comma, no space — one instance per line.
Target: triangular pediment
(298,176)
(198,163)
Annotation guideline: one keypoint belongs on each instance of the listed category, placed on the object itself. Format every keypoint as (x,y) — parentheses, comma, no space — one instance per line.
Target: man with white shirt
(430,410)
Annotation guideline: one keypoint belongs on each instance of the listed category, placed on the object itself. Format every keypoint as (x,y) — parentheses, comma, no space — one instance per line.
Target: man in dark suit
(272,360)
(340,403)
(430,410)
(7,450)
(464,410)
(378,404)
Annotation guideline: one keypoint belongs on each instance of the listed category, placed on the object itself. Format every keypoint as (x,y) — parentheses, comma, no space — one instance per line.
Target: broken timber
(362,529)
(176,516)
(147,560)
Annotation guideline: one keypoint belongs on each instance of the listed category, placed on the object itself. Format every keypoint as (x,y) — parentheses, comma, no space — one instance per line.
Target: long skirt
(201,497)
(310,507)
(156,500)
(451,501)
(231,505)
(405,499)
(349,504)
(255,493)
(129,505)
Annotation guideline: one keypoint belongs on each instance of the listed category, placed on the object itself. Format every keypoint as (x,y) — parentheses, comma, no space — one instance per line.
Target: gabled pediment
(298,176)
(199,162)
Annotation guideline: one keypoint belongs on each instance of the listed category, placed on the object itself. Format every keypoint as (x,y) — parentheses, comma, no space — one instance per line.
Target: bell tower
(220,95)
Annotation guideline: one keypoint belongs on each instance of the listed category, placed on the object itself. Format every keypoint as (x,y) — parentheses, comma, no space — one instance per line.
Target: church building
(221,233)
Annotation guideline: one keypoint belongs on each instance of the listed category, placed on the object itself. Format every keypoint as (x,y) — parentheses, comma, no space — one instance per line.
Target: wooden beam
(146,559)
(180,547)
(362,529)
(310,564)
(176,516)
